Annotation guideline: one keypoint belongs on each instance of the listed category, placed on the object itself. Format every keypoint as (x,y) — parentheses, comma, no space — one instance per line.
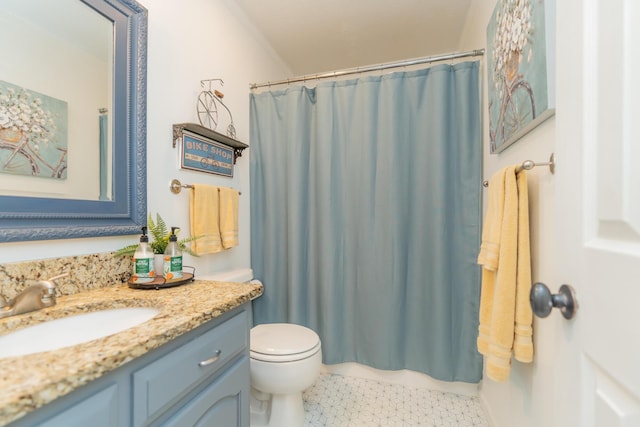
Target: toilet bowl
(285,360)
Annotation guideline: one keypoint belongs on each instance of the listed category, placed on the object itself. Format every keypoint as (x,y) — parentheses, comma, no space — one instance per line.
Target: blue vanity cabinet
(163,384)
(198,379)
(101,408)
(224,402)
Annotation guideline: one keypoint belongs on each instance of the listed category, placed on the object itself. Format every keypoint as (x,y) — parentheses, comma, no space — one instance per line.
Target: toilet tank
(242,275)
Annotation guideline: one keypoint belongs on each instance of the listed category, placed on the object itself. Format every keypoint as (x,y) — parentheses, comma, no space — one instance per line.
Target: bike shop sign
(205,155)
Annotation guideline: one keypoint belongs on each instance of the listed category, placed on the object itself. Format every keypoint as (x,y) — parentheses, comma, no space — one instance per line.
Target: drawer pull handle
(210,360)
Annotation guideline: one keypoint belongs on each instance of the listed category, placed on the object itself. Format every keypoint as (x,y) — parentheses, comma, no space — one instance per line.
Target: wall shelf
(204,132)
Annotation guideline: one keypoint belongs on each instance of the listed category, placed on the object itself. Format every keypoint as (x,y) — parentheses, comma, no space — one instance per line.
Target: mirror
(72,119)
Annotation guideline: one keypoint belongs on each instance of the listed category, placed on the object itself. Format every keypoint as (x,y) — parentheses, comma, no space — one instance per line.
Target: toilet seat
(283,342)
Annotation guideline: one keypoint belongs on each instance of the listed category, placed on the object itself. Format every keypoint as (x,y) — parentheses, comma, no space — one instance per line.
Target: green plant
(159,232)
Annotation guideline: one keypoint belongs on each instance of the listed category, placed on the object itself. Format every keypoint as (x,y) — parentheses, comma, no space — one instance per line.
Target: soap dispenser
(172,268)
(143,271)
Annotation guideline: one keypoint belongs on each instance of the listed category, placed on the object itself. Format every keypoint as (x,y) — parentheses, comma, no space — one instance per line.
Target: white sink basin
(72,330)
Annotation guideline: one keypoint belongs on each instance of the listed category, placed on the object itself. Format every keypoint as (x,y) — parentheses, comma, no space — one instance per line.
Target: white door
(598,199)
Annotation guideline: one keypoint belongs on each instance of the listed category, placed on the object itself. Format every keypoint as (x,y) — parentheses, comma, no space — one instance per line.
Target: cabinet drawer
(163,382)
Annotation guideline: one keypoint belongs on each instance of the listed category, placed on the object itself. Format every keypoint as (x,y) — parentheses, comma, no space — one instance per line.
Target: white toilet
(285,360)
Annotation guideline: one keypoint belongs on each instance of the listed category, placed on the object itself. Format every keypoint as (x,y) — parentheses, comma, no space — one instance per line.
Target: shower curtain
(365,217)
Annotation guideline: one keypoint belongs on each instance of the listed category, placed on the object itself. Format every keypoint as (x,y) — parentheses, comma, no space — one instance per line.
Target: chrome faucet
(32,298)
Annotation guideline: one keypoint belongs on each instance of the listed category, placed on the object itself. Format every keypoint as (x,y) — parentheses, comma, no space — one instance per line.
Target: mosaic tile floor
(340,401)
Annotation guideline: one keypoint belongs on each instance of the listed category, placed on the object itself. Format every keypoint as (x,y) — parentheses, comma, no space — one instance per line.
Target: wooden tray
(161,282)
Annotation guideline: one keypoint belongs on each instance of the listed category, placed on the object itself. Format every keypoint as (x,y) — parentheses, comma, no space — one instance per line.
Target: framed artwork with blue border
(520,69)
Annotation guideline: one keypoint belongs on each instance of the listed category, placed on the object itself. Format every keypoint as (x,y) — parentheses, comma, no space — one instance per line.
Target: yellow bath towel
(489,254)
(523,341)
(204,215)
(505,315)
(229,200)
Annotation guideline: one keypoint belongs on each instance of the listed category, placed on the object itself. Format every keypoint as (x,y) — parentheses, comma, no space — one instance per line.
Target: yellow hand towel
(204,215)
(523,341)
(229,200)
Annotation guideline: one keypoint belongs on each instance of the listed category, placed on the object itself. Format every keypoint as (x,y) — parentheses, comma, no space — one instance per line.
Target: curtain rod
(379,67)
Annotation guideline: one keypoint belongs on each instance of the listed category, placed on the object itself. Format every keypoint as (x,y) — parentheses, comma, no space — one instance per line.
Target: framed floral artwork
(520,62)
(33,133)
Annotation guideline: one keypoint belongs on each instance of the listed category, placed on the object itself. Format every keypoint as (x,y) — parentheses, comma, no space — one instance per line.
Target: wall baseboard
(403,377)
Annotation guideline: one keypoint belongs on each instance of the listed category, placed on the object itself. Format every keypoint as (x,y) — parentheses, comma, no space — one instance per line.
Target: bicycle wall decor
(520,56)
(203,149)
(33,133)
(207,107)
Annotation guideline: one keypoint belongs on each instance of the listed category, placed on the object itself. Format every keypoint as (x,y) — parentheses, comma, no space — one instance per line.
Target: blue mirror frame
(40,218)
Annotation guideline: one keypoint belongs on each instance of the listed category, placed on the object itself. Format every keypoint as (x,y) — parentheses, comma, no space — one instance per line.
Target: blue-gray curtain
(365,217)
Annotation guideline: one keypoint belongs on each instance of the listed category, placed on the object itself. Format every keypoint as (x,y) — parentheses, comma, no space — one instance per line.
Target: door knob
(542,300)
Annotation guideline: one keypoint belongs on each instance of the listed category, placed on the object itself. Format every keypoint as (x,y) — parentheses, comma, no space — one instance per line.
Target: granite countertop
(31,381)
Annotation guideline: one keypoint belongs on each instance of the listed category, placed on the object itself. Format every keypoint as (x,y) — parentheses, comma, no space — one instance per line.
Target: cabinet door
(98,410)
(225,402)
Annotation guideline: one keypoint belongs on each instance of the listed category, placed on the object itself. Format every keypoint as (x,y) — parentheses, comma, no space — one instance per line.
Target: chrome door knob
(543,301)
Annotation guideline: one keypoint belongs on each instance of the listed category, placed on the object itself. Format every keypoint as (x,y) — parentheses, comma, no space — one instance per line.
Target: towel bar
(176,186)
(529,164)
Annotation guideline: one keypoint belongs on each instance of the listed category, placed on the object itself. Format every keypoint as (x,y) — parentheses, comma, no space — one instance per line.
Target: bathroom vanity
(188,365)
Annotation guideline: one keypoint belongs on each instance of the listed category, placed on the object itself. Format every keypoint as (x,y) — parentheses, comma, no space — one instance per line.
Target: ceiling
(314,36)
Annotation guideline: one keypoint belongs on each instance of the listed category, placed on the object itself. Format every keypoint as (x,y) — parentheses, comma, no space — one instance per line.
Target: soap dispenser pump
(143,271)
(172,268)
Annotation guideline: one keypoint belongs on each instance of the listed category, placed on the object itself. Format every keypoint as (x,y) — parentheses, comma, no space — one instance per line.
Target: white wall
(526,399)
(187,42)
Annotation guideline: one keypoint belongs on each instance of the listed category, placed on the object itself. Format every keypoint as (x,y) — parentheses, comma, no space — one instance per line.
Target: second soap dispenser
(172,268)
